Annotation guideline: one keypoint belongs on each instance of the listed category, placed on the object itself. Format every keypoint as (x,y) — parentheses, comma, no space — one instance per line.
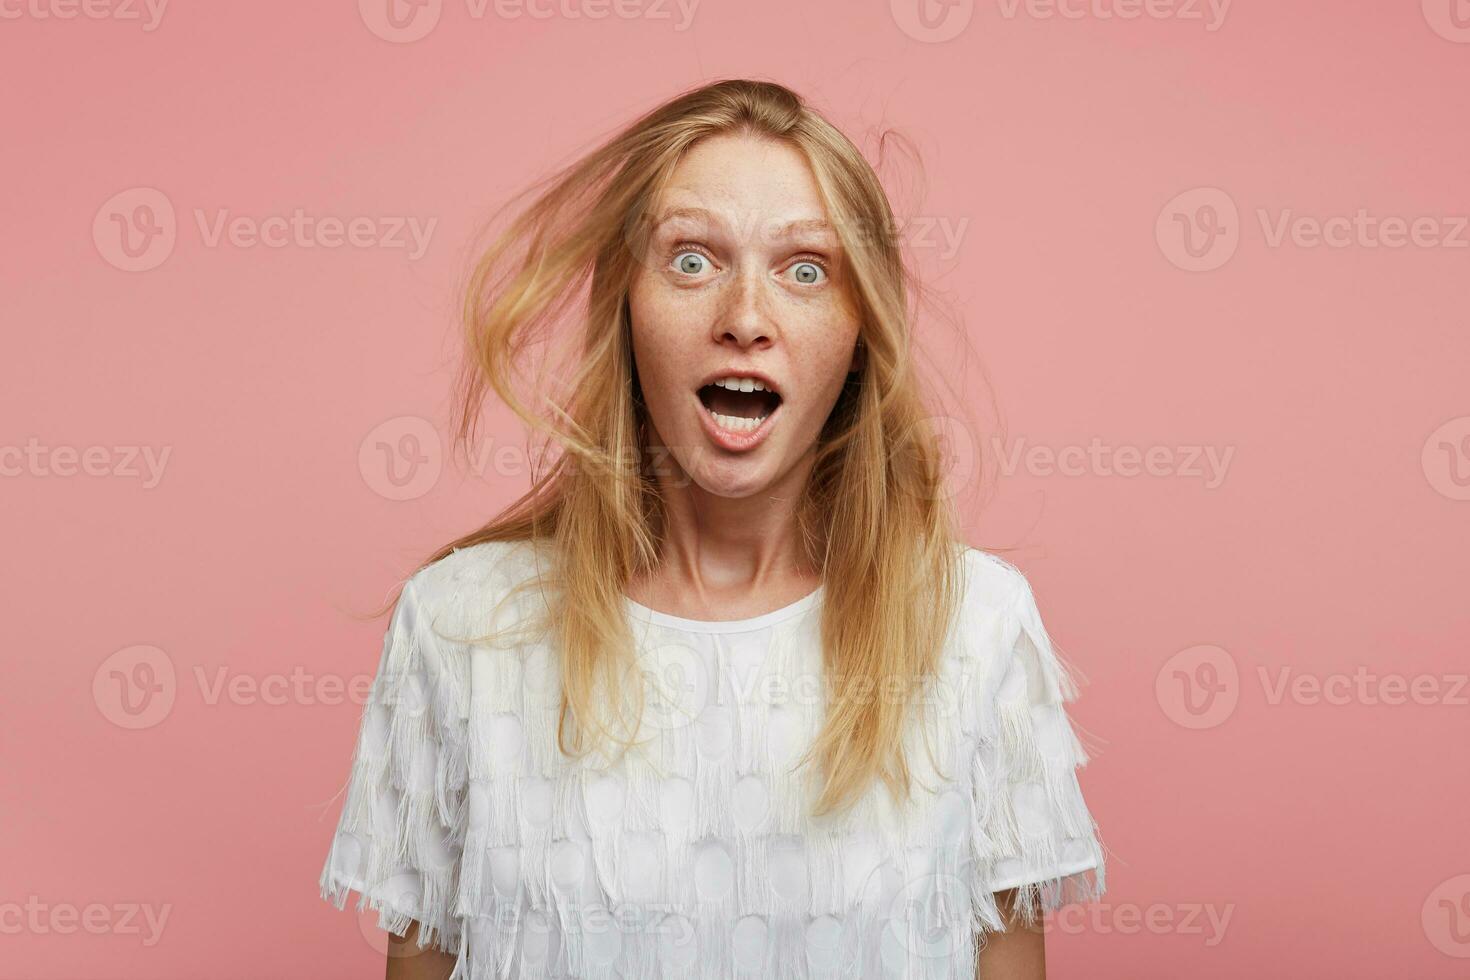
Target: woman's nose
(745,318)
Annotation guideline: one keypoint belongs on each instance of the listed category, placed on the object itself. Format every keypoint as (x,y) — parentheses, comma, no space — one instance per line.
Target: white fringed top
(692,856)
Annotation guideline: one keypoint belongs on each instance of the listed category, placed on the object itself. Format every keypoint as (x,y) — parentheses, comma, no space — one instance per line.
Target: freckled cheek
(657,322)
(673,320)
(823,345)
(663,344)
(820,374)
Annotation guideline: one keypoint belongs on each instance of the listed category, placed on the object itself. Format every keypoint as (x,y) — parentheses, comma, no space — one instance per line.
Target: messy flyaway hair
(547,330)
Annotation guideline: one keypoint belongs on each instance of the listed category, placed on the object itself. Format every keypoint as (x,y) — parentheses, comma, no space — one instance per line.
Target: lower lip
(736,442)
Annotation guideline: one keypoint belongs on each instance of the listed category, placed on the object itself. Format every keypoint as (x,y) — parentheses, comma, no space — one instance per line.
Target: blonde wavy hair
(546,309)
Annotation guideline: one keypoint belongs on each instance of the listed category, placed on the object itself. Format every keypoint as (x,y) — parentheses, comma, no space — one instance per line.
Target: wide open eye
(691,263)
(809,273)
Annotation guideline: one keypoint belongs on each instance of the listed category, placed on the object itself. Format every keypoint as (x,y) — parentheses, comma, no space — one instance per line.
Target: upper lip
(760,376)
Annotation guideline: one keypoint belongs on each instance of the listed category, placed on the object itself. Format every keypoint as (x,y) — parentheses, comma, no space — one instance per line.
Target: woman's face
(740,288)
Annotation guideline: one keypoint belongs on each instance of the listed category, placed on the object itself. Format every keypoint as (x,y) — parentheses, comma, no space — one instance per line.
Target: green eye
(809,273)
(690,263)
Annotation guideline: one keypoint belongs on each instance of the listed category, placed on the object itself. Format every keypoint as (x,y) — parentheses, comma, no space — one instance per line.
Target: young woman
(723,695)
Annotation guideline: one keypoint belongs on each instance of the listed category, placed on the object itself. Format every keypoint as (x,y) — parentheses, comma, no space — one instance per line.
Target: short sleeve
(1034,832)
(401,830)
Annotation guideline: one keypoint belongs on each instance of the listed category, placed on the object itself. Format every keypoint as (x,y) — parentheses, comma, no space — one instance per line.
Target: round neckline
(657,618)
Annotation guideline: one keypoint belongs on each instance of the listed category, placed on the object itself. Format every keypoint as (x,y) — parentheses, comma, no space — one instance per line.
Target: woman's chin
(734,479)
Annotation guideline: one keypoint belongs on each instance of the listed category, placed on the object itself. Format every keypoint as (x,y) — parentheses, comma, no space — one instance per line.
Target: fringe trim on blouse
(436,791)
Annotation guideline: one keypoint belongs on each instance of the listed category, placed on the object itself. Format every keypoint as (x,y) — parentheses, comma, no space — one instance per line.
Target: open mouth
(739,404)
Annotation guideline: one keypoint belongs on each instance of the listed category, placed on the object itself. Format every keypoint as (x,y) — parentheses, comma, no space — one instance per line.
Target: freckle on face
(743,296)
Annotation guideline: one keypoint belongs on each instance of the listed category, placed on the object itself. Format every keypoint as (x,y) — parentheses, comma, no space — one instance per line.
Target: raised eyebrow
(674,214)
(812,234)
(818,225)
(824,234)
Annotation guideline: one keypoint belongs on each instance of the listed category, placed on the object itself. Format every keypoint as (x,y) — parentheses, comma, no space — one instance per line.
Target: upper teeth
(739,384)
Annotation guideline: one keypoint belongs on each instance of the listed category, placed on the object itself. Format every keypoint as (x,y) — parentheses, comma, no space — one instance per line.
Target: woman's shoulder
(1005,630)
(472,565)
(465,586)
(989,581)
(1000,621)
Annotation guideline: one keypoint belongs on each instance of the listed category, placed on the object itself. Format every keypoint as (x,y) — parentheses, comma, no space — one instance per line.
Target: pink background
(1330,834)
